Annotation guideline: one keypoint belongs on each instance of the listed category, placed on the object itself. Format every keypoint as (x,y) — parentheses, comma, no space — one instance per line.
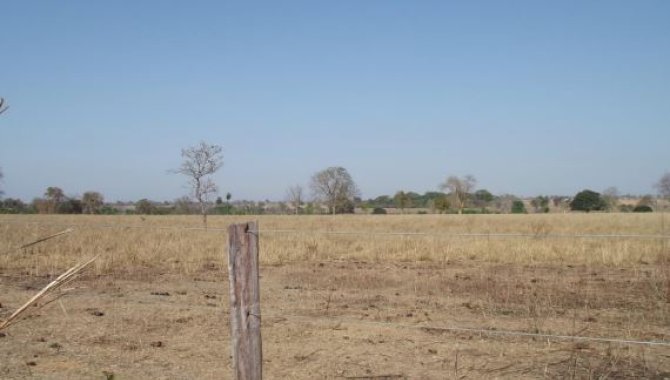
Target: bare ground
(338,320)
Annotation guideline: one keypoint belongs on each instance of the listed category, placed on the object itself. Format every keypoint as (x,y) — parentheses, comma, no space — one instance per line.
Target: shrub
(518,207)
(587,200)
(642,208)
(379,211)
(108,210)
(71,206)
(482,210)
(145,207)
(626,208)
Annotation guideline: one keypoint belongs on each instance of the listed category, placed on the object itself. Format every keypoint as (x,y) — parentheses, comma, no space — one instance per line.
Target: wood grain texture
(245,309)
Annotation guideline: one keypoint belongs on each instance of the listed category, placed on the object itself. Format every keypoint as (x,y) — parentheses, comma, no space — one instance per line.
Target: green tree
(415,199)
(345,206)
(12,206)
(309,208)
(518,207)
(482,198)
(70,206)
(108,210)
(643,208)
(382,201)
(587,200)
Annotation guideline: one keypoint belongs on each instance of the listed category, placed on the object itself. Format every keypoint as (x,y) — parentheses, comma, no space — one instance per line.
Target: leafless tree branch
(198,163)
(3,106)
(460,189)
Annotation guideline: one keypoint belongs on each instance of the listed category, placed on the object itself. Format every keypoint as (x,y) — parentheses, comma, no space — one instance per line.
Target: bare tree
(663,186)
(198,164)
(92,202)
(294,197)
(335,186)
(611,198)
(54,197)
(460,189)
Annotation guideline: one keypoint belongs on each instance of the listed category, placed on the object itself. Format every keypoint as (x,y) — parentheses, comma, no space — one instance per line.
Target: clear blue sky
(531,97)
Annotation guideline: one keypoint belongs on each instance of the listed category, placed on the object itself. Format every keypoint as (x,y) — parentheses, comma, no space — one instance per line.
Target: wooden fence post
(245,301)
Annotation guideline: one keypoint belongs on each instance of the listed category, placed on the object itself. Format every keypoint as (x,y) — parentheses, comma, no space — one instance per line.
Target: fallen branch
(55,284)
(39,241)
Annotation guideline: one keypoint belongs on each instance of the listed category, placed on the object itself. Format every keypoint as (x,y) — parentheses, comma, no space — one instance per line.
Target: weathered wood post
(245,301)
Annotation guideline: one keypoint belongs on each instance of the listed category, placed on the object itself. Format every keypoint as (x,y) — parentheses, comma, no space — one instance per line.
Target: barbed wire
(483,331)
(37,241)
(118,226)
(361,233)
(466,234)
(420,326)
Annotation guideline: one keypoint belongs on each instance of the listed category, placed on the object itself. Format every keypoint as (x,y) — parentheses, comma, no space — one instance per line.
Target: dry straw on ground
(185,251)
(154,302)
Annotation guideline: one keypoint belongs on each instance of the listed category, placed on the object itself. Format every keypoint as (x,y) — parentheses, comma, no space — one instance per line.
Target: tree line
(333,191)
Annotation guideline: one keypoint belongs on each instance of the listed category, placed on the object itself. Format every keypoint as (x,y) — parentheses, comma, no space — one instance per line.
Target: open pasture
(344,296)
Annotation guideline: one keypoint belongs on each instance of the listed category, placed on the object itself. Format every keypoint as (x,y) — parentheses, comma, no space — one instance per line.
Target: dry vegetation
(336,306)
(185,251)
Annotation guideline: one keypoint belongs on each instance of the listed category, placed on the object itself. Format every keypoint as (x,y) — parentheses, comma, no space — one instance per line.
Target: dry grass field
(343,297)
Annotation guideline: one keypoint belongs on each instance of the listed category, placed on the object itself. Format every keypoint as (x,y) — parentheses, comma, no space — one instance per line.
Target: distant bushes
(518,207)
(482,210)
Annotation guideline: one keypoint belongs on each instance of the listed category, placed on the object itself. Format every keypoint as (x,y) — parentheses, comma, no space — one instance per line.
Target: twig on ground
(45,238)
(55,284)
